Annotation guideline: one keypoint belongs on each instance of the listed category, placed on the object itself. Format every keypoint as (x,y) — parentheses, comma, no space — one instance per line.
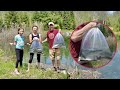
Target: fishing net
(36,47)
(59,41)
(94,46)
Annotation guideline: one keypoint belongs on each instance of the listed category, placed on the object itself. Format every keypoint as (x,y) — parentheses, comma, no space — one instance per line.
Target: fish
(95,55)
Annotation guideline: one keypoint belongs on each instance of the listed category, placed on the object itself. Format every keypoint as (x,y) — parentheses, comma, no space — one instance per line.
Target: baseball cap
(50,23)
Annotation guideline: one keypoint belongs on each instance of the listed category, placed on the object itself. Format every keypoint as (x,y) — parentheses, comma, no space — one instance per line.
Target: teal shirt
(20,42)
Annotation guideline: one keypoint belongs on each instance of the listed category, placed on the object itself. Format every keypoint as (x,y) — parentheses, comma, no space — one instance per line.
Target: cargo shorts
(54,53)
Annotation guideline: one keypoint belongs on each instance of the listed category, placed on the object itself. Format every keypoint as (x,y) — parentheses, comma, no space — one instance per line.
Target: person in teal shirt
(19,47)
(20,41)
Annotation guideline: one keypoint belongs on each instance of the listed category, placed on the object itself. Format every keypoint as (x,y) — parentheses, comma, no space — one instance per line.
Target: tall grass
(6,37)
(111,43)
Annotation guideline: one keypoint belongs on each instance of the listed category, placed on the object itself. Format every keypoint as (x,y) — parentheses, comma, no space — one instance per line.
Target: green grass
(7,72)
(7,69)
(65,30)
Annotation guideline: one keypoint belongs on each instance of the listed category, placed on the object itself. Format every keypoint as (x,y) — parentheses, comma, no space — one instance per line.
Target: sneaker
(54,68)
(37,67)
(16,72)
(58,69)
(27,70)
(42,68)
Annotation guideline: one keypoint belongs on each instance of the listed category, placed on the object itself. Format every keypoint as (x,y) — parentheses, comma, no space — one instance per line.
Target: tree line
(65,19)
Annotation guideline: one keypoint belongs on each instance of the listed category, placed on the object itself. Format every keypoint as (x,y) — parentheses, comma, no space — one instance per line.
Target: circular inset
(93,44)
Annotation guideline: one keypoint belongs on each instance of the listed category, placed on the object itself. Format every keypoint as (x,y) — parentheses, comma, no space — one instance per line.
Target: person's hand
(93,24)
(11,43)
(42,42)
(95,20)
(28,43)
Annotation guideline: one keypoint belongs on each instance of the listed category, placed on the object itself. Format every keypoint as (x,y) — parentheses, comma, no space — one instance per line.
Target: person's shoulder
(23,37)
(56,30)
(16,36)
(30,34)
(48,32)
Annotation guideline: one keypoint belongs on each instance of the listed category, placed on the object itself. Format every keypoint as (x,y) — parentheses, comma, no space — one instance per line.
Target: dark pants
(31,57)
(19,56)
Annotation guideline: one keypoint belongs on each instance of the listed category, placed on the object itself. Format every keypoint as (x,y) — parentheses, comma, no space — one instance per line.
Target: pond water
(110,71)
(66,58)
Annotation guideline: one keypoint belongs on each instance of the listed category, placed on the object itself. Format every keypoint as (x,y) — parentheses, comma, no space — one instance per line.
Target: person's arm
(77,35)
(45,40)
(15,41)
(30,39)
(60,32)
(40,38)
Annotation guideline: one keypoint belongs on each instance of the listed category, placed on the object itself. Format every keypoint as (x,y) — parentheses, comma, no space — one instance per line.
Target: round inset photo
(93,44)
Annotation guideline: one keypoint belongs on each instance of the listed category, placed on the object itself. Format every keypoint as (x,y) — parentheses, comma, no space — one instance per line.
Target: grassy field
(7,72)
